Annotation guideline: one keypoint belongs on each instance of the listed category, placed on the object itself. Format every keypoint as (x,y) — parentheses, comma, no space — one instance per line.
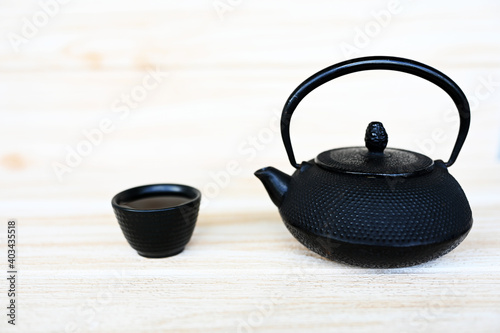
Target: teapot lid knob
(376,137)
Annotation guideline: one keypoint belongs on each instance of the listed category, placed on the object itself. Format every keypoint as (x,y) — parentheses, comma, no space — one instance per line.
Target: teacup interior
(159,196)
(156,201)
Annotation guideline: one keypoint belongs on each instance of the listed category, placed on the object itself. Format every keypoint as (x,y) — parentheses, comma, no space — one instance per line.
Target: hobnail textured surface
(393,221)
(371,256)
(158,233)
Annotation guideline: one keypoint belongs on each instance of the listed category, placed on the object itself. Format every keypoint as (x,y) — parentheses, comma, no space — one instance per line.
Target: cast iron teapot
(373,206)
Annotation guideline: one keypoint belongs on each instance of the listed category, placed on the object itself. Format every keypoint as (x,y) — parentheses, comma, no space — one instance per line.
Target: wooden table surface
(100,96)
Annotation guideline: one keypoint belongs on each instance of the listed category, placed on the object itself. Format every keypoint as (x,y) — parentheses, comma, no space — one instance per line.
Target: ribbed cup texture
(159,233)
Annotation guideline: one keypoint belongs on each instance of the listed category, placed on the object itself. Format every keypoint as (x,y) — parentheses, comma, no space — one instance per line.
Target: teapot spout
(275,182)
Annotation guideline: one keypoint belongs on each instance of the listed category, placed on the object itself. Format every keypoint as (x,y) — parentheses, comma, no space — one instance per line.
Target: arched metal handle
(370,63)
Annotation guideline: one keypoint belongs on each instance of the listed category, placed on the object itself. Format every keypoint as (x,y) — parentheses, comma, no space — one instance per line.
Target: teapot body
(371,206)
(376,221)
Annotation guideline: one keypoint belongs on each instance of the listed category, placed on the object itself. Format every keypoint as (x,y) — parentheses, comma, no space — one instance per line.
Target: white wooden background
(226,68)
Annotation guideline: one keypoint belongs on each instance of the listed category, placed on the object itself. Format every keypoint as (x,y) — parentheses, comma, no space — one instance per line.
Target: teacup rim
(181,188)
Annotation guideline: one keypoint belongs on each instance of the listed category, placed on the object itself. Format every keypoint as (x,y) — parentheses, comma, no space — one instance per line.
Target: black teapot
(373,206)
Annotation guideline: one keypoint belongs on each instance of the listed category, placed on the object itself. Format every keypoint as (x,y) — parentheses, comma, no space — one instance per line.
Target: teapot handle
(378,62)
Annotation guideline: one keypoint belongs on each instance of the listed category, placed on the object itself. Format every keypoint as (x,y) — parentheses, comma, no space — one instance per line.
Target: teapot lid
(374,159)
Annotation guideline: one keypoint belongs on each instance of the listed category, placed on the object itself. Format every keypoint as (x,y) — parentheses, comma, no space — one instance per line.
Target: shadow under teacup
(157,220)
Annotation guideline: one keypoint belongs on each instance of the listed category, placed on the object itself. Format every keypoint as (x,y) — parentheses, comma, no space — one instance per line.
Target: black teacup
(157,220)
